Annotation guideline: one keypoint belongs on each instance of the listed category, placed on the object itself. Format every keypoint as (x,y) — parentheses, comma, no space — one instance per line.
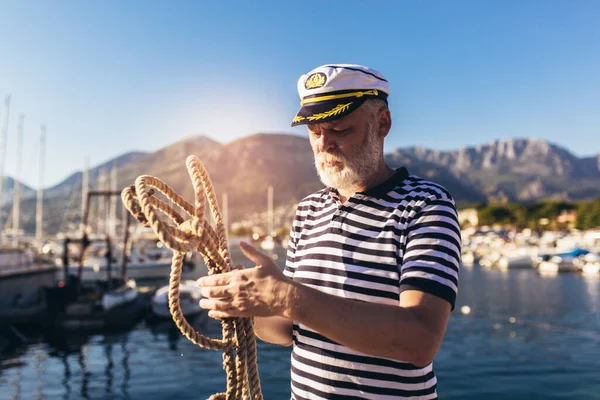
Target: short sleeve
(431,259)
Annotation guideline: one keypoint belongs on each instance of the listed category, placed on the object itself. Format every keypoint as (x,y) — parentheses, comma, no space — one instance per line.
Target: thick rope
(196,234)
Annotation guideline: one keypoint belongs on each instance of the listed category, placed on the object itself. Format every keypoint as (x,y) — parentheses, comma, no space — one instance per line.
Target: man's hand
(261,291)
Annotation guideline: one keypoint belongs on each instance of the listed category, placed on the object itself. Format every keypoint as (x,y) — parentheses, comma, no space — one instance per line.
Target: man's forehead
(326,125)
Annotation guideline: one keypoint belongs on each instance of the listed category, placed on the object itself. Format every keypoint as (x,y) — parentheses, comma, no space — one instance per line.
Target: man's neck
(382,174)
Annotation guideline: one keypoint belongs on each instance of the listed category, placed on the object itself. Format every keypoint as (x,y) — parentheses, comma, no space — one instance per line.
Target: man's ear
(384,118)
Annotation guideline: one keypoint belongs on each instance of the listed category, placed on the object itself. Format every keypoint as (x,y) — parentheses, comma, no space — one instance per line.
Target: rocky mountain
(8,190)
(516,169)
(243,169)
(513,169)
(105,168)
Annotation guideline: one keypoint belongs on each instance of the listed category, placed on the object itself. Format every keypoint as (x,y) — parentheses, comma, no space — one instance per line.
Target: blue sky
(108,77)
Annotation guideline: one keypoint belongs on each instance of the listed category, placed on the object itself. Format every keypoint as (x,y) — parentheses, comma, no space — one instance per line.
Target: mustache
(329,157)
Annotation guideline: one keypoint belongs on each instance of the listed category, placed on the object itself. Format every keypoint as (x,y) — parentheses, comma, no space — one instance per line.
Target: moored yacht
(562,262)
(590,264)
(22,283)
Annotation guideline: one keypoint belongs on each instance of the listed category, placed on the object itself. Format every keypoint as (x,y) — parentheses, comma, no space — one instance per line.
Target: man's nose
(326,142)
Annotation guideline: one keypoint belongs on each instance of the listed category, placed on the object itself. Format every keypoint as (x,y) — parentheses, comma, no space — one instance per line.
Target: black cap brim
(326,111)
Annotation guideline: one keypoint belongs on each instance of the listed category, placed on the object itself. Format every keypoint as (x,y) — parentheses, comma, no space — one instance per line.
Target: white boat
(189,299)
(590,264)
(23,278)
(22,282)
(149,260)
(558,264)
(97,306)
(121,295)
(517,262)
(562,262)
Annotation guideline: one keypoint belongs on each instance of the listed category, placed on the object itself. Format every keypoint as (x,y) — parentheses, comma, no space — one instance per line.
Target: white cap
(331,91)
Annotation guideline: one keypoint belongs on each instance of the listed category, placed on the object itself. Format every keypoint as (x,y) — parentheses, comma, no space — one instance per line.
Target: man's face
(348,150)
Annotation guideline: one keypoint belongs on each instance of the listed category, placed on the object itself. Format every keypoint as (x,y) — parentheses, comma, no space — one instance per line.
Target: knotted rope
(196,234)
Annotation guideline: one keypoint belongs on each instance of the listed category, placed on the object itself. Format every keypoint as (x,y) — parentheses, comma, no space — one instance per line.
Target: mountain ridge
(518,169)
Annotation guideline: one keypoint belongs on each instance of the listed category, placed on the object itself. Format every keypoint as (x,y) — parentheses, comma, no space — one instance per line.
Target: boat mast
(112,227)
(270,210)
(101,212)
(17,182)
(39,216)
(3,136)
(84,188)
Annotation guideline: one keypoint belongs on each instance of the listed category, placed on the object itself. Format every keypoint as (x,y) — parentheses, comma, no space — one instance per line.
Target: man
(373,259)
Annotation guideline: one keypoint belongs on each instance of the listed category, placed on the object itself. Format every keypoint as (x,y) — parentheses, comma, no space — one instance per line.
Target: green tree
(588,214)
(496,214)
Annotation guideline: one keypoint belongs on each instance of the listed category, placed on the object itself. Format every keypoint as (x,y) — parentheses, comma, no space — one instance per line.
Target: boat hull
(22,293)
(86,317)
(517,262)
(553,267)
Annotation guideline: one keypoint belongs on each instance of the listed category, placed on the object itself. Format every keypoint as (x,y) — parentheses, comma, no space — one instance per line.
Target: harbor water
(522,336)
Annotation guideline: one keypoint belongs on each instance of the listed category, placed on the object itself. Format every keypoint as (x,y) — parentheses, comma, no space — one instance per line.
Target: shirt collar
(400,174)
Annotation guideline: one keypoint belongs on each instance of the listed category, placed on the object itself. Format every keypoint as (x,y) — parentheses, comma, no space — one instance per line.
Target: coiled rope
(196,234)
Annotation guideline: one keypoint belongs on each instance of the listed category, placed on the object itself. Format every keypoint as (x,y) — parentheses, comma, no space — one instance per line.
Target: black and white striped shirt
(400,235)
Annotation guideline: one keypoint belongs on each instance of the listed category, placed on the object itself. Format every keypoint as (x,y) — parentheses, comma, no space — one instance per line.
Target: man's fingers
(221,315)
(219,309)
(215,292)
(216,280)
(215,305)
(254,255)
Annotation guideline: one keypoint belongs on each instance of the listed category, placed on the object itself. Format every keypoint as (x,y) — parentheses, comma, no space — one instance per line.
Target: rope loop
(196,234)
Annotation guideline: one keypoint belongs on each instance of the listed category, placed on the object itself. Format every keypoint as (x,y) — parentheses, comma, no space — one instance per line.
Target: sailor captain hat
(332,91)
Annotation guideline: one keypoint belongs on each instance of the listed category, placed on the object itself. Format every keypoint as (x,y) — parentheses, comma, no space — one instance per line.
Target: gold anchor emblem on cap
(315,80)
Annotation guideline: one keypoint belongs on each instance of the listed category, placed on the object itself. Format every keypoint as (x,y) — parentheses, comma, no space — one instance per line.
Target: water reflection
(66,381)
(166,329)
(80,355)
(40,357)
(13,351)
(527,336)
(108,370)
(116,344)
(17,382)
(548,273)
(592,284)
(126,370)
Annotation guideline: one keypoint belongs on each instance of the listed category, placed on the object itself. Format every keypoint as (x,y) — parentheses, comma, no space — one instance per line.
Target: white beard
(353,172)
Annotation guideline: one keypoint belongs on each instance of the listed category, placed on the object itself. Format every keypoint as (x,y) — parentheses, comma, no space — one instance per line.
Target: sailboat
(109,303)
(23,277)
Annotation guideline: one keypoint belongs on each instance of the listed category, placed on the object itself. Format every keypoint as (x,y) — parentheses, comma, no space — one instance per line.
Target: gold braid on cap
(340,108)
(318,99)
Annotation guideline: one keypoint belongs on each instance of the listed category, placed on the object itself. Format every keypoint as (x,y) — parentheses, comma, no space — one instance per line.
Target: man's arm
(411,331)
(276,330)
